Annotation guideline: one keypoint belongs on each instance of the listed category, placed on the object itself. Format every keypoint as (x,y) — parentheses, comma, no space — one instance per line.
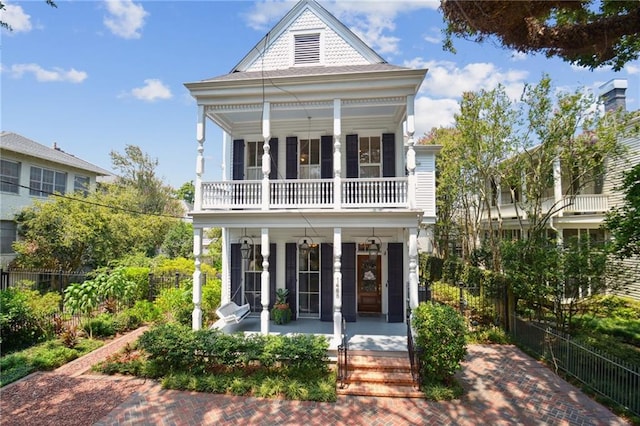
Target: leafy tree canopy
(591,33)
(186,192)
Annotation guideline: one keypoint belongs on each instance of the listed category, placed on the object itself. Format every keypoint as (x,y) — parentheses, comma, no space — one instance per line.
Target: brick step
(373,376)
(381,390)
(367,362)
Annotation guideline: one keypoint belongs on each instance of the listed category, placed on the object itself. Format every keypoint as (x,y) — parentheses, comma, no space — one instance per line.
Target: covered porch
(368,333)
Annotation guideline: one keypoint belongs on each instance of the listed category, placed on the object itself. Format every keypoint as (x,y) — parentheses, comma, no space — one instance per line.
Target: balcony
(580,204)
(306,194)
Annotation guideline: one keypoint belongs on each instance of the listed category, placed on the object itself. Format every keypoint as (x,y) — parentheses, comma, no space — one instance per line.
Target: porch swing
(231,312)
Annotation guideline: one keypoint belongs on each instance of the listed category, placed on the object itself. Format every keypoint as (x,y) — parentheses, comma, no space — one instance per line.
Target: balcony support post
(337,286)
(196,315)
(200,137)
(411,154)
(337,156)
(264,282)
(266,156)
(557,185)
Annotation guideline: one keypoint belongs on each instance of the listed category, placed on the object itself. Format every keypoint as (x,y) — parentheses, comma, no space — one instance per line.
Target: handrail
(414,358)
(343,357)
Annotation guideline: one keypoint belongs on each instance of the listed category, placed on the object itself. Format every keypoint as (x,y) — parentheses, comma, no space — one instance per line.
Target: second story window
(254,160)
(10,176)
(309,159)
(370,164)
(81,184)
(43,182)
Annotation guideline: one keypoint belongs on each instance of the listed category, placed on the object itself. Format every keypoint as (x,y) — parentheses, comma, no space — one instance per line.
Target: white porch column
(266,156)
(196,316)
(225,295)
(557,184)
(411,154)
(200,135)
(337,156)
(413,268)
(337,286)
(264,284)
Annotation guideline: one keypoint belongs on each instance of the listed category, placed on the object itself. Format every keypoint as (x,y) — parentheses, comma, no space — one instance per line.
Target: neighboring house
(585,208)
(30,171)
(323,189)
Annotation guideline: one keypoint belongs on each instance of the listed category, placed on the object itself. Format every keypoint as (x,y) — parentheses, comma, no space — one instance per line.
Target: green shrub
(148,312)
(19,327)
(101,326)
(139,277)
(176,304)
(440,338)
(126,320)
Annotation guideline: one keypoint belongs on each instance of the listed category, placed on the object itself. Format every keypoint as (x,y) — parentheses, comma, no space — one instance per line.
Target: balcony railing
(306,193)
(583,203)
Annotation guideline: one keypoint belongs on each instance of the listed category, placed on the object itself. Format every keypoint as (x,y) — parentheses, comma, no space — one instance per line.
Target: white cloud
(632,68)
(16,18)
(446,79)
(46,76)
(126,18)
(265,13)
(434,36)
(432,113)
(518,56)
(153,90)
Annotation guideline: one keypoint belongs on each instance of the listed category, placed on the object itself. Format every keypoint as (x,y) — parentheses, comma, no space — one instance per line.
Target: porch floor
(367,333)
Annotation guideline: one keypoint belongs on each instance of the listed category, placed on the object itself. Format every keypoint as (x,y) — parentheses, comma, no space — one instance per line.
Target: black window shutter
(273,144)
(326,157)
(292,157)
(349,281)
(396,280)
(238,159)
(388,155)
(236,273)
(290,276)
(352,156)
(272,275)
(326,284)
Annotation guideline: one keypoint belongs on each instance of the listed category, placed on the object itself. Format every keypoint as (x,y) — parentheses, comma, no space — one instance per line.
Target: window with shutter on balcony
(309,159)
(306,49)
(254,160)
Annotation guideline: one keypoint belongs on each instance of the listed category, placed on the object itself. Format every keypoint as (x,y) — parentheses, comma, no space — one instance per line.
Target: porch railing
(582,203)
(389,192)
(343,357)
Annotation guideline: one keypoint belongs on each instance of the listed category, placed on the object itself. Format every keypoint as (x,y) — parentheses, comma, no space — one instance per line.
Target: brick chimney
(612,95)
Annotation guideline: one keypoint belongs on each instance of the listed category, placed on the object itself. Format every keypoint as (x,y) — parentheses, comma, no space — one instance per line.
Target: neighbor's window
(370,164)
(307,49)
(10,175)
(7,236)
(309,159)
(254,160)
(81,184)
(43,182)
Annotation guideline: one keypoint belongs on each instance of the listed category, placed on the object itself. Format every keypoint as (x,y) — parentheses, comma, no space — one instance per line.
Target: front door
(369,288)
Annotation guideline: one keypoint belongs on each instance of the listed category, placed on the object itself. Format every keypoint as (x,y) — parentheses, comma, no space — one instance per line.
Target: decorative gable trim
(331,22)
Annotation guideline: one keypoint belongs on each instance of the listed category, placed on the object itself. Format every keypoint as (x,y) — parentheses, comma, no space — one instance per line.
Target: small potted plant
(281,313)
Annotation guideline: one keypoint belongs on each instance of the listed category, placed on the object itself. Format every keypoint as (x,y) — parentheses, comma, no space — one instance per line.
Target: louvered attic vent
(307,49)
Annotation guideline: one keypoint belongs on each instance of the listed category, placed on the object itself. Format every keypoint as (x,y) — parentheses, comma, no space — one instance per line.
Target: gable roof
(14,142)
(287,21)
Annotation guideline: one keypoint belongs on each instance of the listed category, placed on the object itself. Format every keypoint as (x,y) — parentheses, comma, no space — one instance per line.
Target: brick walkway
(503,386)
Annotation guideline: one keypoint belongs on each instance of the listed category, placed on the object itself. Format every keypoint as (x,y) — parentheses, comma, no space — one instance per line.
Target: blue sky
(95,76)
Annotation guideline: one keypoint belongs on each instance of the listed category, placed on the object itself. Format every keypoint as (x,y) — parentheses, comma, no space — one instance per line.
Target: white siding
(335,50)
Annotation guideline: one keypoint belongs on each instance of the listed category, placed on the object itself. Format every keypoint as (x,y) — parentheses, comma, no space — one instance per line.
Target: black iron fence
(602,373)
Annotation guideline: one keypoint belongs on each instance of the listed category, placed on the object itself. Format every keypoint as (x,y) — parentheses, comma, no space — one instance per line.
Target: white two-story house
(31,171)
(323,188)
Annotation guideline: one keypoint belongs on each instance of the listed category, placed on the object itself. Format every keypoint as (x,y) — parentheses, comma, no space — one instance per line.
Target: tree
(138,171)
(623,221)
(178,242)
(7,26)
(591,33)
(186,192)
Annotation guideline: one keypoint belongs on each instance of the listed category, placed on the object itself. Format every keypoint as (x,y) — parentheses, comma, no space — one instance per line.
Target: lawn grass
(45,356)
